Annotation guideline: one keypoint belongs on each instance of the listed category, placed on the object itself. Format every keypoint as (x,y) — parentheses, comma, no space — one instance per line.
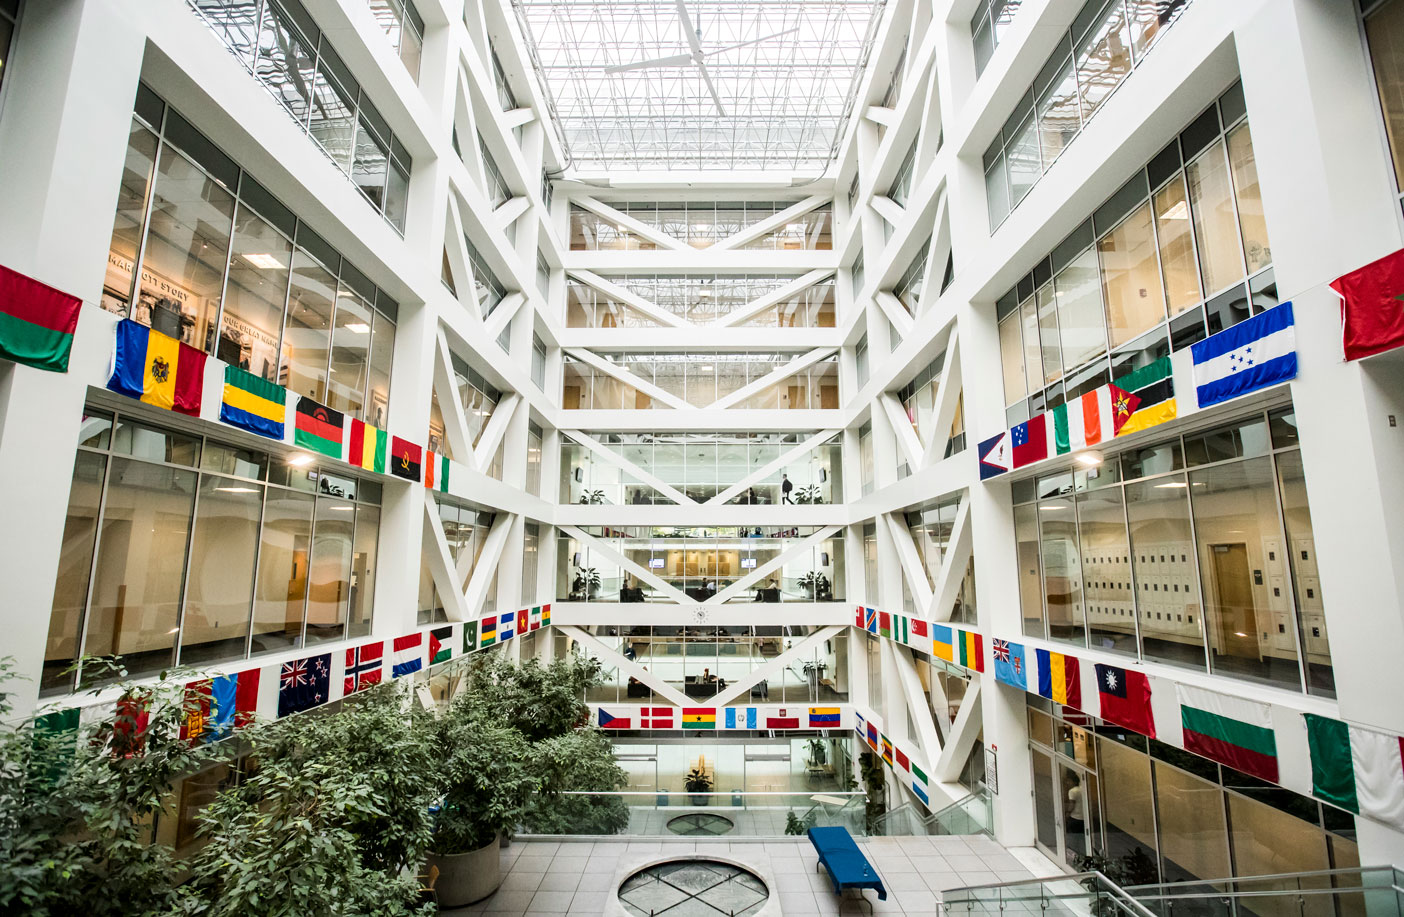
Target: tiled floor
(577,878)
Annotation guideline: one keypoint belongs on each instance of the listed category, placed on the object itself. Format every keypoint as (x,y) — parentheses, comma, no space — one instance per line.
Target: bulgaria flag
(1358,769)
(1229,730)
(1094,418)
(37,322)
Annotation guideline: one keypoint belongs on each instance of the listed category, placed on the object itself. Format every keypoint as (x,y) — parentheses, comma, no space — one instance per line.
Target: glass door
(1081,820)
(1047,806)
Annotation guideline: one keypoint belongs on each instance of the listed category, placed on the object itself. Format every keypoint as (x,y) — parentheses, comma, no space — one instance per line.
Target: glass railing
(667,813)
(966,816)
(1081,894)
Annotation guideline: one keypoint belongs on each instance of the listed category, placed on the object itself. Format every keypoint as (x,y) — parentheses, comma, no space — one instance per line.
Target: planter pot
(699,799)
(467,877)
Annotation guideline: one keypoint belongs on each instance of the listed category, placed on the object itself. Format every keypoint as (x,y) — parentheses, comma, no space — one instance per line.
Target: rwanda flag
(253,403)
(156,369)
(319,428)
(37,322)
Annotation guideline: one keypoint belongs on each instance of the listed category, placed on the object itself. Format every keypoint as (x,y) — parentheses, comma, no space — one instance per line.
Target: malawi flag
(1126,698)
(253,403)
(404,459)
(1230,730)
(1372,307)
(436,471)
(1154,388)
(156,369)
(368,445)
(36,322)
(1060,678)
(1360,770)
(440,650)
(319,428)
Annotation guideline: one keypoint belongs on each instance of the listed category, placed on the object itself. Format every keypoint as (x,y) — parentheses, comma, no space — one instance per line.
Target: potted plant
(592,497)
(810,494)
(817,585)
(586,582)
(699,784)
(795,825)
(818,753)
(814,671)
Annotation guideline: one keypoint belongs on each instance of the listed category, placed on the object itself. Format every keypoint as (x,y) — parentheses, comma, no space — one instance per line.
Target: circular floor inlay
(688,887)
(701,823)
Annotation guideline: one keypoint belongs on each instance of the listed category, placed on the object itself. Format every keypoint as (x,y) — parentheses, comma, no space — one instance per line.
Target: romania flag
(699,718)
(253,403)
(972,651)
(368,445)
(943,642)
(1059,678)
(157,369)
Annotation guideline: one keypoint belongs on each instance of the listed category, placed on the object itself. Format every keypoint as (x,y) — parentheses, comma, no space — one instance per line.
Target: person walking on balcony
(786,485)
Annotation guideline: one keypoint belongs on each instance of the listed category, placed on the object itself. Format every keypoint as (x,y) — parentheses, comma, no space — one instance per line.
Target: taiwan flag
(1126,698)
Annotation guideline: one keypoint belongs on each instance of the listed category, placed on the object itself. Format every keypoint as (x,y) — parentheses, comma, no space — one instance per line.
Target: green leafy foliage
(874,784)
(581,760)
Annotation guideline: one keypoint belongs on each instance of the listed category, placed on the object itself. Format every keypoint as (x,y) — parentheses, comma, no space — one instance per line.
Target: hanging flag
(489,630)
(37,322)
(943,642)
(536,617)
(823,718)
(783,720)
(1059,678)
(972,652)
(884,624)
(902,760)
(506,624)
(860,725)
(1372,307)
(470,636)
(1154,388)
(699,718)
(1126,698)
(364,667)
(156,369)
(304,684)
(1230,730)
(440,650)
(995,456)
(253,403)
(545,615)
(858,619)
(1357,769)
(870,620)
(196,707)
(233,702)
(899,629)
(610,721)
(523,624)
(1253,354)
(404,459)
(318,427)
(872,737)
(921,785)
(1009,664)
(436,471)
(129,725)
(368,445)
(1030,441)
(655,717)
(1091,419)
(409,655)
(920,628)
(887,750)
(56,739)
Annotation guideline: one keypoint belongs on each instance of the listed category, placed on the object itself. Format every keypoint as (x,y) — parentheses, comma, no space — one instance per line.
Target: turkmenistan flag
(319,428)
(36,322)
(1230,730)
(1154,385)
(1357,769)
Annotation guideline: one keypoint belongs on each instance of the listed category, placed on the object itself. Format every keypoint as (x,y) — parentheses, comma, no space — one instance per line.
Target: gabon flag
(159,370)
(37,322)
(1372,307)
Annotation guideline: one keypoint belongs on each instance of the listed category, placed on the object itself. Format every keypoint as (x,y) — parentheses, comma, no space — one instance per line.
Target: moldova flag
(440,650)
(37,322)
(156,369)
(319,428)
(436,471)
(253,403)
(823,717)
(368,446)
(699,718)
(404,459)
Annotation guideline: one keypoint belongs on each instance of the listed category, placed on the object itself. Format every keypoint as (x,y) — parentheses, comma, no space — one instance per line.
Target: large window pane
(127,224)
(282,569)
(1128,805)
(1106,570)
(329,589)
(1268,841)
(1021,155)
(1058,117)
(182,269)
(346,385)
(997,191)
(381,353)
(75,563)
(332,120)
(254,295)
(1162,556)
(1030,583)
(1249,620)
(1130,277)
(1149,19)
(1062,570)
(1215,230)
(307,337)
(220,589)
(1306,582)
(1048,335)
(1193,833)
(1080,315)
(396,195)
(140,564)
(1103,58)
(370,169)
(1033,353)
(1256,249)
(285,63)
(1177,262)
(1385,32)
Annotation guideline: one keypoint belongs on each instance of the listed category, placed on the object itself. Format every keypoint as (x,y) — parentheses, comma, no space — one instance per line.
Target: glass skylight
(703,84)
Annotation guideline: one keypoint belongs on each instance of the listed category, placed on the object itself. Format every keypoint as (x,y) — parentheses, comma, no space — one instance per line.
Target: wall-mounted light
(1091,459)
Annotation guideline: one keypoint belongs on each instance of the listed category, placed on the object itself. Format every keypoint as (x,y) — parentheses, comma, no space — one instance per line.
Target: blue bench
(847,866)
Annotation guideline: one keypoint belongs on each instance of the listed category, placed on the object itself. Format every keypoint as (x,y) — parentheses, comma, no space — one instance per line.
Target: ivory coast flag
(1094,418)
(1154,386)
(1358,769)
(436,471)
(368,446)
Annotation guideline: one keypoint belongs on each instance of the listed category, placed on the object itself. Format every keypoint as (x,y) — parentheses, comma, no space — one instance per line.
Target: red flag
(130,724)
(1126,698)
(1030,440)
(245,698)
(1372,307)
(197,710)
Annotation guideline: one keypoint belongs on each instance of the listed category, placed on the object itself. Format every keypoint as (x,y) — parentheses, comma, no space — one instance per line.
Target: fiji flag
(1010,665)
(157,369)
(304,684)
(1253,354)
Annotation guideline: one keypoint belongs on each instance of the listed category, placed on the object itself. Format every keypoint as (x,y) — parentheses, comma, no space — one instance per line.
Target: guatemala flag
(1254,354)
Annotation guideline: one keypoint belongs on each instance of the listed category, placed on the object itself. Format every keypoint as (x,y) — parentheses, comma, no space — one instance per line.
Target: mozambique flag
(699,718)
(488,631)
(1155,387)
(440,650)
(319,428)
(1059,678)
(368,446)
(156,369)
(404,459)
(36,322)
(253,403)
(972,651)
(436,471)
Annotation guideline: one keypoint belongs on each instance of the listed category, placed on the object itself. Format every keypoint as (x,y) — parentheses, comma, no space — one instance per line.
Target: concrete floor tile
(546,902)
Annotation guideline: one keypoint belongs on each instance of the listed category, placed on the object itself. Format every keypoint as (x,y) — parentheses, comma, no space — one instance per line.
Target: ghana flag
(404,459)
(157,369)
(368,445)
(699,718)
(318,428)
(1154,385)
(36,322)
(253,403)
(436,471)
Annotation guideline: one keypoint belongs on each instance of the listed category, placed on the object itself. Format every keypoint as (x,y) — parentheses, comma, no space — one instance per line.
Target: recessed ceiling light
(1178,212)
(357,328)
(299,460)
(1091,459)
(264,261)
(1171,484)
(237,490)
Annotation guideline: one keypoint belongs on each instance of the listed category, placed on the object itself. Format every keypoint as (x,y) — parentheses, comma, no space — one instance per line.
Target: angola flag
(319,428)
(1154,385)
(404,459)
(368,445)
(253,403)
(37,322)
(156,369)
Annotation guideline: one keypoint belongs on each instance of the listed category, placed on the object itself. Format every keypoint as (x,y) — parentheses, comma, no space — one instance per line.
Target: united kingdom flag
(1001,650)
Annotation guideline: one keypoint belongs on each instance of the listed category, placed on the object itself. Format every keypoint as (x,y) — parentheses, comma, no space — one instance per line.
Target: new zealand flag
(304,684)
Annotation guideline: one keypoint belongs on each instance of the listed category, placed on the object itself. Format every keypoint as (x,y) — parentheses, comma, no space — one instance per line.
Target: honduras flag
(1251,355)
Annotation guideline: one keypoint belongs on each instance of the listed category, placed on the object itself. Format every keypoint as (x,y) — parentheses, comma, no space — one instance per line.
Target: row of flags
(499,628)
(965,648)
(907,766)
(715,718)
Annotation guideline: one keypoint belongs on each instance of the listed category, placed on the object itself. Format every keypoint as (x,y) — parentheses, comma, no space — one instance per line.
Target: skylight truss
(784,101)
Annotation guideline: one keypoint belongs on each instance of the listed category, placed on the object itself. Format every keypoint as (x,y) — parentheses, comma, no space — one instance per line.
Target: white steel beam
(771,565)
(785,458)
(450,406)
(964,731)
(619,461)
(632,224)
(947,399)
(628,378)
(910,560)
(441,565)
(770,224)
(901,429)
(779,374)
(638,303)
(757,306)
(643,573)
(624,663)
(495,429)
(763,672)
(953,563)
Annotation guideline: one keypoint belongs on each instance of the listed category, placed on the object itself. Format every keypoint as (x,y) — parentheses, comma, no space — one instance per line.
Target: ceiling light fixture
(1091,459)
(264,261)
(357,328)
(1177,212)
(237,490)
(299,460)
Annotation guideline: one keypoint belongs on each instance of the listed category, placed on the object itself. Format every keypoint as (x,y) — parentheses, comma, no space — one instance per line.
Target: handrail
(1339,871)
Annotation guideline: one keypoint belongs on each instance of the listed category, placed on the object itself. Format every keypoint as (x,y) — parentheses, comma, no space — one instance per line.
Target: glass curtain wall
(700,298)
(179,549)
(701,224)
(700,379)
(465,530)
(404,27)
(918,399)
(987,27)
